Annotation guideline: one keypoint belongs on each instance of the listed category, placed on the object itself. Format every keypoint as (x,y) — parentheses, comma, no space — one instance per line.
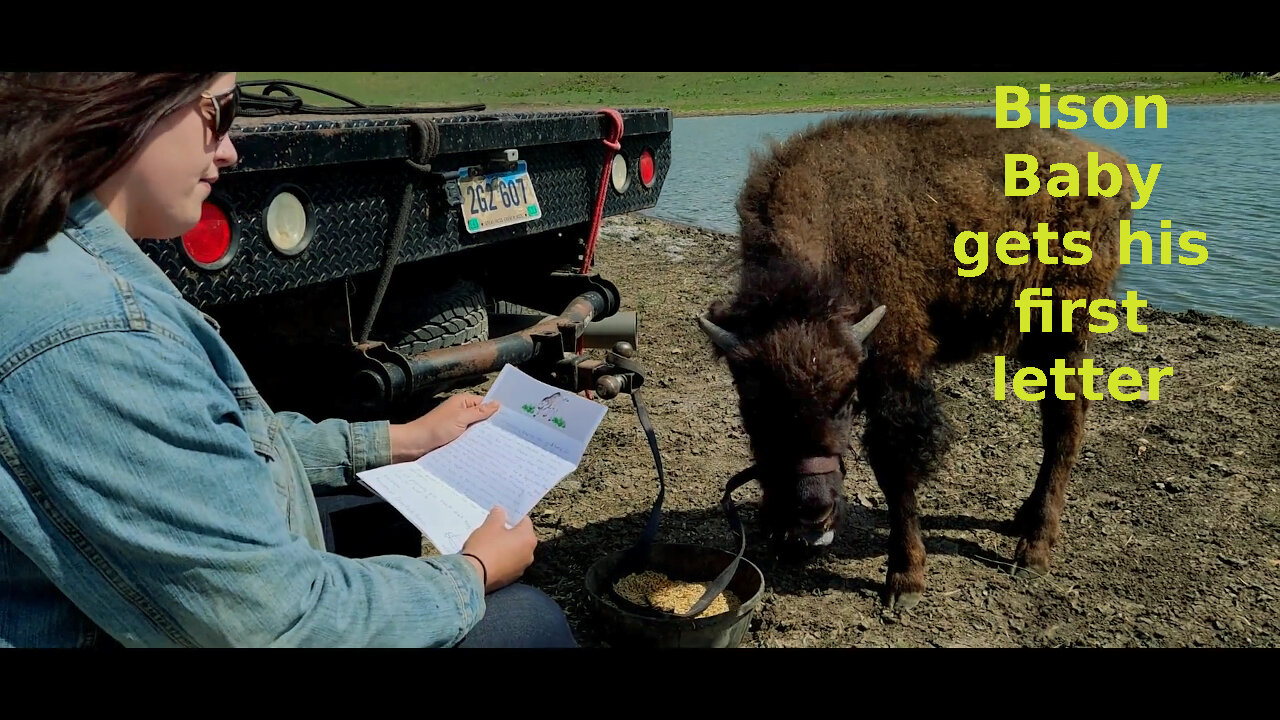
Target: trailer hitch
(618,373)
(547,350)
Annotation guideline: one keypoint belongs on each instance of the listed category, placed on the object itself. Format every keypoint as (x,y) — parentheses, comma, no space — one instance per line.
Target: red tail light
(646,168)
(208,244)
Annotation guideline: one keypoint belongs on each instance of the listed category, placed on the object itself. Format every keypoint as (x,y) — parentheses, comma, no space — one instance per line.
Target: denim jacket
(148,495)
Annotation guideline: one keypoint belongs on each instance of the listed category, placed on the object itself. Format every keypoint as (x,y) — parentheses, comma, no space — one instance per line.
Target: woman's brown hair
(63,134)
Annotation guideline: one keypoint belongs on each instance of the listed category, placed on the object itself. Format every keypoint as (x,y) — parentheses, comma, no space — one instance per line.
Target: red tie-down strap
(613,143)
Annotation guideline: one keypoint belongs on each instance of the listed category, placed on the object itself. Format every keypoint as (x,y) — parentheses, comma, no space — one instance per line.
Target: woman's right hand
(505,553)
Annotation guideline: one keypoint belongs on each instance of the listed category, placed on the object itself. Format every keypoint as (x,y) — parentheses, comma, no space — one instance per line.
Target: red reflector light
(646,168)
(209,240)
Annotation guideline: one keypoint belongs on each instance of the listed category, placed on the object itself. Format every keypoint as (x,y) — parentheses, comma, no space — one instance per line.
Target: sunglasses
(226,105)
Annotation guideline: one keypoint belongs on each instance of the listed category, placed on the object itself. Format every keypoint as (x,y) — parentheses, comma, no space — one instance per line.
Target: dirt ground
(1170,536)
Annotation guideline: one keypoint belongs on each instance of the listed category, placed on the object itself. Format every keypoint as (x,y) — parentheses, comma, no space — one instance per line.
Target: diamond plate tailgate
(353,170)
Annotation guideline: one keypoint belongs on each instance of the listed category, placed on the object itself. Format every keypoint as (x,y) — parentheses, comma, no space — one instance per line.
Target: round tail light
(647,170)
(288,220)
(618,174)
(209,243)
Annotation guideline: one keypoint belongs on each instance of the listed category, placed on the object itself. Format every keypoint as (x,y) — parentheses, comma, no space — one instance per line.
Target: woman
(148,496)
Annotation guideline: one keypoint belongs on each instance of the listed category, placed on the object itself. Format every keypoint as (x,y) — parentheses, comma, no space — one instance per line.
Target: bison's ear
(722,338)
(862,329)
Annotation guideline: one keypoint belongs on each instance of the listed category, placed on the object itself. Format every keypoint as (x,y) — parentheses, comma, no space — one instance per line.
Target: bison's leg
(1062,429)
(905,433)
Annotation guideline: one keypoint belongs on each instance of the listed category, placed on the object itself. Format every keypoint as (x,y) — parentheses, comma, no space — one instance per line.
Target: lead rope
(637,556)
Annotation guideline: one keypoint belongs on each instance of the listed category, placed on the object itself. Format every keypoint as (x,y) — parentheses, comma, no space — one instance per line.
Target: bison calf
(849,298)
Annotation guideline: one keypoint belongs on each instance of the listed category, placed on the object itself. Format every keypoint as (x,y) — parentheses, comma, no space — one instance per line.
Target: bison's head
(796,381)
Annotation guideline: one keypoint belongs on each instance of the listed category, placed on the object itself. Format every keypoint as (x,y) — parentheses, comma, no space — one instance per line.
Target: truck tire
(506,307)
(508,317)
(454,316)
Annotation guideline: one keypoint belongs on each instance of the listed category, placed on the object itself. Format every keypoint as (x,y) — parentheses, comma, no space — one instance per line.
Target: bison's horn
(863,327)
(724,339)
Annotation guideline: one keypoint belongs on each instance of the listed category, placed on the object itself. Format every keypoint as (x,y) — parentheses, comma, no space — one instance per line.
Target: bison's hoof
(903,590)
(1029,573)
(902,602)
(1030,561)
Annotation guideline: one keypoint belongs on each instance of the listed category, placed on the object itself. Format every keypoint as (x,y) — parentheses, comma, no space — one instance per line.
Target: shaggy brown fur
(864,211)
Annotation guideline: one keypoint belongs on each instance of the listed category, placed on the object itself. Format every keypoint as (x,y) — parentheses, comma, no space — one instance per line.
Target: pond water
(1219,174)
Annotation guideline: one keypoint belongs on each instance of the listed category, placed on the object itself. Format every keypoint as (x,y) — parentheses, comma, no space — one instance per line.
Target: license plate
(497,200)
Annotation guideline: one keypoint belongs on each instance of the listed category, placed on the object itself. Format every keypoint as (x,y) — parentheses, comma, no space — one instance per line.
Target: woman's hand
(498,553)
(445,422)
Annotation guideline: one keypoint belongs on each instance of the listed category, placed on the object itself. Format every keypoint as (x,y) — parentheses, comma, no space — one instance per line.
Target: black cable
(263,105)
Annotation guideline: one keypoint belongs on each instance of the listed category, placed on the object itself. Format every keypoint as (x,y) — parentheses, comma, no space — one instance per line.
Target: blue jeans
(518,615)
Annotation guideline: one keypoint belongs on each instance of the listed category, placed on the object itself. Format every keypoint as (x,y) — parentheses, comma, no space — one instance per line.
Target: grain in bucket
(655,590)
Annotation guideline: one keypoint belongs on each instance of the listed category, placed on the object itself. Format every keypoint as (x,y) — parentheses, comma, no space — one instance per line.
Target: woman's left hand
(445,422)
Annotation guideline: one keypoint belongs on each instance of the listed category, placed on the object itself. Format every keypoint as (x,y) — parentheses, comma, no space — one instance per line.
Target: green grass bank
(698,93)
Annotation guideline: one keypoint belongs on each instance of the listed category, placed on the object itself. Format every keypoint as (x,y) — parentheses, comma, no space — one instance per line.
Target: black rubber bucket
(687,563)
(625,624)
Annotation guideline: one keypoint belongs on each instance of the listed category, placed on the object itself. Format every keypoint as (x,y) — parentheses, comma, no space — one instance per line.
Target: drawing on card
(550,409)
(561,409)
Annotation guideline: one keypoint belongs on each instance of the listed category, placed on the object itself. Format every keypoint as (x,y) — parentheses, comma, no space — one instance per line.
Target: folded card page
(512,460)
